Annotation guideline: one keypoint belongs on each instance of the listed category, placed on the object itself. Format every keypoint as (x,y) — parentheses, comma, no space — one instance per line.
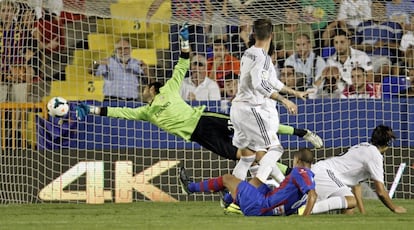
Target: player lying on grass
(167,110)
(336,176)
(256,198)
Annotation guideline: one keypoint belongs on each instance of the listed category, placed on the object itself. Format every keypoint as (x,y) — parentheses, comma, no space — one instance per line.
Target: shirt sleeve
(376,167)
(139,113)
(304,179)
(102,70)
(261,75)
(366,62)
(180,69)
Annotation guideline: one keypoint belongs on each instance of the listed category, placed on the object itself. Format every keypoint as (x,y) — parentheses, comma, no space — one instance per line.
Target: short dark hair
(382,136)
(341,32)
(157,85)
(262,28)
(305,155)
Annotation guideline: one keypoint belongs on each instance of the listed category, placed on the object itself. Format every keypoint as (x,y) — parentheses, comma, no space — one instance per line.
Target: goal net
(64,50)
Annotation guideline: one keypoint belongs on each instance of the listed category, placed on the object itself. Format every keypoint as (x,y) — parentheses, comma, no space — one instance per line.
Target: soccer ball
(57,107)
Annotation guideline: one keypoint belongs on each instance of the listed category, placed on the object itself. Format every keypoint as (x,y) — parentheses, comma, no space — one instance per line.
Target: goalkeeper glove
(82,110)
(184,35)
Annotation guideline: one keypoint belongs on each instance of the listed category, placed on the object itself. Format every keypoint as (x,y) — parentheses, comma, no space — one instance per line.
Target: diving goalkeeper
(167,110)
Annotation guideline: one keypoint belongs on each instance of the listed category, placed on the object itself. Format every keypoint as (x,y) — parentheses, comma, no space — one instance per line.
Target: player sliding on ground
(167,110)
(335,176)
(256,198)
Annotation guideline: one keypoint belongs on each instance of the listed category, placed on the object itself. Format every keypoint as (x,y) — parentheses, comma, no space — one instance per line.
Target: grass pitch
(190,215)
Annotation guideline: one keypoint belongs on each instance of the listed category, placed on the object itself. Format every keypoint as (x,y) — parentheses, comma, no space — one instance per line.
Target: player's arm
(310,202)
(357,191)
(385,198)
(291,107)
(82,110)
(298,94)
(183,64)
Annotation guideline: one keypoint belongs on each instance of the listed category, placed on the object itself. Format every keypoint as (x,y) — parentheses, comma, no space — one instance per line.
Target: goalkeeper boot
(233,209)
(184,181)
(314,139)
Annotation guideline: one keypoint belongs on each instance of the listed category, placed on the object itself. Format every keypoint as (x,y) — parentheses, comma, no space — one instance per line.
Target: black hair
(262,28)
(341,32)
(157,85)
(382,136)
(305,155)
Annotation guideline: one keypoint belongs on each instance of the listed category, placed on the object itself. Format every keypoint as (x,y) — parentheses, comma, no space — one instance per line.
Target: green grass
(190,215)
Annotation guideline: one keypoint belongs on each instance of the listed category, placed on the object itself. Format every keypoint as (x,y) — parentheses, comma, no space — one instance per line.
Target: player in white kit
(336,176)
(254,118)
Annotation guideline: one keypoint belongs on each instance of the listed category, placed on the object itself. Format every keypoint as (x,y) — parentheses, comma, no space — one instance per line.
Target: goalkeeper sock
(210,185)
(299,132)
(332,203)
(240,171)
(286,129)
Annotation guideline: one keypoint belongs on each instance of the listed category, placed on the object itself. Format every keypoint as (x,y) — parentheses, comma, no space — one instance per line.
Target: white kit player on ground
(252,114)
(335,176)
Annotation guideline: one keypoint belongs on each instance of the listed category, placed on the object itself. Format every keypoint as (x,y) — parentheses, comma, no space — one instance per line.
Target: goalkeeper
(167,110)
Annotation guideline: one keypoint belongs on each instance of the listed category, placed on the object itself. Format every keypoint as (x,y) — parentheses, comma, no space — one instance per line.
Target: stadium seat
(78,90)
(125,26)
(148,56)
(393,85)
(139,8)
(327,51)
(84,58)
(102,41)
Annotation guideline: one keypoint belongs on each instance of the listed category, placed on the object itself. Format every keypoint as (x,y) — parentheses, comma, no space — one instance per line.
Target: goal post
(104,159)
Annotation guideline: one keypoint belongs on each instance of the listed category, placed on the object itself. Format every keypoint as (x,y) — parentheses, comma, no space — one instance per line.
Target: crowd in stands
(333,49)
(32,39)
(323,46)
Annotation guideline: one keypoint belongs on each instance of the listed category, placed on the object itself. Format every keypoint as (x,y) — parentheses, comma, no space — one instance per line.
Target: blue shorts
(252,200)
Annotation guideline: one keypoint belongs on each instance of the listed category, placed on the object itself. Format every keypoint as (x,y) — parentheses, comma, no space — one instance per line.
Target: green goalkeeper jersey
(168,110)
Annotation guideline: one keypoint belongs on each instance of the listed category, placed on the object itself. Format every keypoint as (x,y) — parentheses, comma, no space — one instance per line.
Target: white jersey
(258,79)
(359,163)
(356,58)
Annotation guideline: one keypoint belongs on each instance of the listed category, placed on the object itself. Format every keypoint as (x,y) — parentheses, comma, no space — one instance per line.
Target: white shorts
(328,185)
(255,127)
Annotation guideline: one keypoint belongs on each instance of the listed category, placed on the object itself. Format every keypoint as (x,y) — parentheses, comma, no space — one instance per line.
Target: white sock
(240,171)
(268,166)
(332,203)
(253,170)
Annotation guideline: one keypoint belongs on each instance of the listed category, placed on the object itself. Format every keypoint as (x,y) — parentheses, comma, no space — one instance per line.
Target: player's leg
(332,193)
(304,133)
(215,184)
(246,130)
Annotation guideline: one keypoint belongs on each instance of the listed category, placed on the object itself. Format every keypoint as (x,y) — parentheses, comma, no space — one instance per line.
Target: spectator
(285,34)
(399,11)
(231,83)
(328,85)
(318,13)
(353,12)
(222,63)
(380,40)
(305,61)
(182,10)
(346,58)
(292,79)
(124,76)
(15,73)
(38,87)
(406,52)
(51,40)
(198,87)
(240,42)
(360,88)
(410,89)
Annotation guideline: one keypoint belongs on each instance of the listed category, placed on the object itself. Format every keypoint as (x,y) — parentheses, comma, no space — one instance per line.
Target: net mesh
(49,159)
